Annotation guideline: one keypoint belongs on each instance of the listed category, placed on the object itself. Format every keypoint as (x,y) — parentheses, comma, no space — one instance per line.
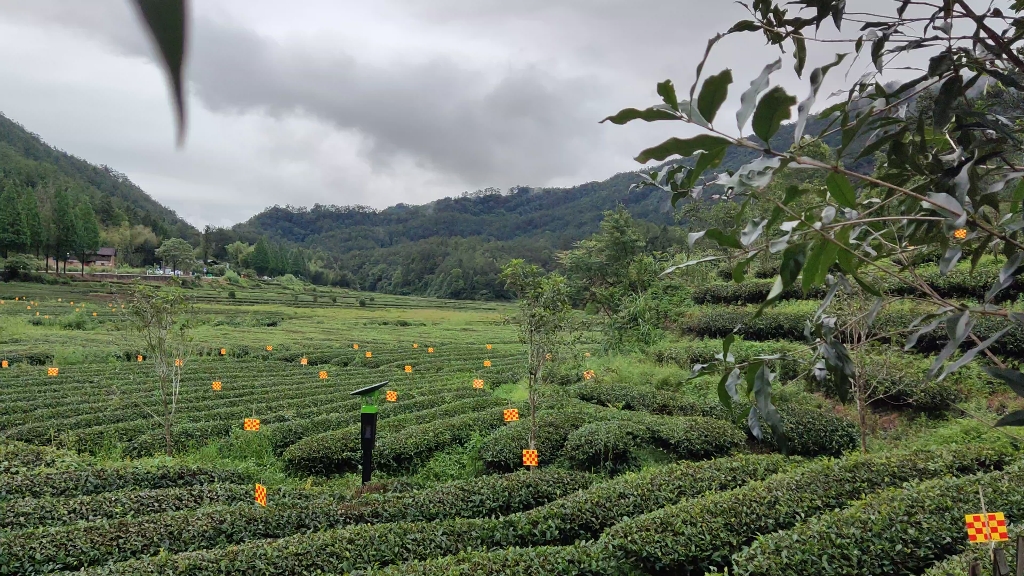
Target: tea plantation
(641,469)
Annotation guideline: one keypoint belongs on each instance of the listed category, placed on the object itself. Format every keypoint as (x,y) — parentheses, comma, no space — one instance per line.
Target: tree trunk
(167,421)
(862,418)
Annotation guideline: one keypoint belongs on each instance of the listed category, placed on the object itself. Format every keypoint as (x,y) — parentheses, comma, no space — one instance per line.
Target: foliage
(949,184)
(893,532)
(698,535)
(178,253)
(160,324)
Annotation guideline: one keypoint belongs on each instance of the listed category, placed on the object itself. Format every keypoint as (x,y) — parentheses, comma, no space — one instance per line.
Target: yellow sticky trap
(430,350)
(304,361)
(251,424)
(530,458)
(511,414)
(323,374)
(4,364)
(92,313)
(269,348)
(139,358)
(178,362)
(369,354)
(391,396)
(223,351)
(52,371)
(355,346)
(478,383)
(487,363)
(995,531)
(588,375)
(408,369)
(488,346)
(216,385)
(414,345)
(261,495)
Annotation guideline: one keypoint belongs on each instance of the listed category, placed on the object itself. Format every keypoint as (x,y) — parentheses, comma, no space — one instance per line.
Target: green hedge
(502,450)
(96,480)
(750,291)
(289,512)
(687,352)
(339,451)
(610,446)
(960,564)
(813,431)
(779,322)
(364,546)
(584,559)
(901,531)
(26,513)
(18,457)
(643,399)
(701,534)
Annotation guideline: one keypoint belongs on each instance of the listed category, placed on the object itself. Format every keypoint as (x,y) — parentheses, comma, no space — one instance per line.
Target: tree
(65,228)
(237,251)
(544,319)
(261,259)
(13,230)
(947,179)
(87,237)
(33,222)
(175,251)
(160,323)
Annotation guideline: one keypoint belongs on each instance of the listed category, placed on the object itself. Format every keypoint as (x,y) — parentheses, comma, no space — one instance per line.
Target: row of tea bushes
(699,535)
(901,531)
(360,547)
(89,480)
(289,512)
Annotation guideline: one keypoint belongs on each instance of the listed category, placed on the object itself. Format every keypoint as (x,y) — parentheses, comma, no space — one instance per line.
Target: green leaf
(867,286)
(707,51)
(793,258)
(653,114)
(713,93)
(772,110)
(821,258)
(749,97)
(727,393)
(1012,378)
(724,240)
(668,94)
(804,108)
(165,20)
(727,343)
(1012,419)
(947,95)
(841,190)
(681,147)
(800,53)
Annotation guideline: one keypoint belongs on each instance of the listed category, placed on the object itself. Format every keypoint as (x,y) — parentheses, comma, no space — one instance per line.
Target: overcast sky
(375,103)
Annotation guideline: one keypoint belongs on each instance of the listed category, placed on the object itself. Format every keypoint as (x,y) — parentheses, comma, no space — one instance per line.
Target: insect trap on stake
(368,424)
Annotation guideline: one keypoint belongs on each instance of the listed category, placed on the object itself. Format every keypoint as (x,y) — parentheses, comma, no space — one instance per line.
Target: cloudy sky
(374,103)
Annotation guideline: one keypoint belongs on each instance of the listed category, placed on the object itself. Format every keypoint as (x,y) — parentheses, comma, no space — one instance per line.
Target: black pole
(368,435)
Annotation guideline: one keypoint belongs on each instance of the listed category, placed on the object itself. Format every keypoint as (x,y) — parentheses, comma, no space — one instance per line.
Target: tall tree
(176,251)
(33,221)
(13,232)
(87,237)
(261,258)
(64,227)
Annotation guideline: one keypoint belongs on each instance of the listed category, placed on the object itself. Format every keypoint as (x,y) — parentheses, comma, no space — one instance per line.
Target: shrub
(750,291)
(781,322)
(334,299)
(811,431)
(288,513)
(18,457)
(231,294)
(961,563)
(502,451)
(686,353)
(701,534)
(94,480)
(606,445)
(357,548)
(642,399)
(899,531)
(362,301)
(584,559)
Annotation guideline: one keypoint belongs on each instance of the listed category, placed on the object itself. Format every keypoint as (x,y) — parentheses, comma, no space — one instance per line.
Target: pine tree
(261,257)
(33,221)
(65,228)
(87,237)
(13,233)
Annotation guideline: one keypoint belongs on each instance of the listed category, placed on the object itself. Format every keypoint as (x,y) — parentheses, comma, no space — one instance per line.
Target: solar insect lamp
(368,424)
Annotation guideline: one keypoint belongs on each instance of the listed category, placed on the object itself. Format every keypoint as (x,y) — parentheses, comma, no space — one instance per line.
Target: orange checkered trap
(391,396)
(487,363)
(251,424)
(223,351)
(261,495)
(216,385)
(4,364)
(408,368)
(995,531)
(430,350)
(478,383)
(511,415)
(139,358)
(304,361)
(369,354)
(323,374)
(530,458)
(488,346)
(52,371)
(269,348)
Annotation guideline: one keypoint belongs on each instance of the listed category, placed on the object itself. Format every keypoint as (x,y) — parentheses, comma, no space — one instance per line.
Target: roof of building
(106,252)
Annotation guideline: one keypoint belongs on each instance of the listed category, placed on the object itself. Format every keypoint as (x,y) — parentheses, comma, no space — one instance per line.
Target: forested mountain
(27,161)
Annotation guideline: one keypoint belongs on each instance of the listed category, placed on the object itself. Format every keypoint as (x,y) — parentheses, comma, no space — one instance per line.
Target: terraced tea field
(641,469)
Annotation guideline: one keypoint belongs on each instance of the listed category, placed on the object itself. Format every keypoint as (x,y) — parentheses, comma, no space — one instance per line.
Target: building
(103,258)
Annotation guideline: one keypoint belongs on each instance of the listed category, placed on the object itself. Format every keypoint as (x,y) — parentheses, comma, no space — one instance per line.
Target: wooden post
(999,565)
(1020,555)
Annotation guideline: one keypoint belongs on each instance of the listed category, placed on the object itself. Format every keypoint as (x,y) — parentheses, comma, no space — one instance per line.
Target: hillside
(453,247)
(27,162)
